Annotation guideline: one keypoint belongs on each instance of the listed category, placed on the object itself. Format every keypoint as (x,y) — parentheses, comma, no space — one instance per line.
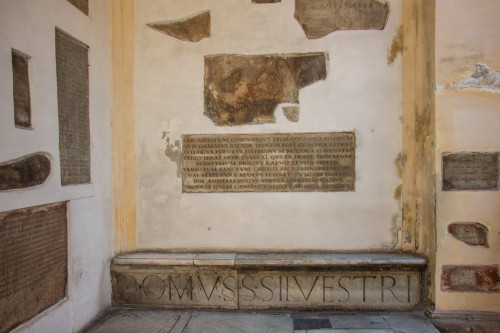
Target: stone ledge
(371,260)
(252,281)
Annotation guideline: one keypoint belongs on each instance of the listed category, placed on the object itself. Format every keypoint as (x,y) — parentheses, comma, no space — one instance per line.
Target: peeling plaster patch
(483,79)
(190,29)
(319,18)
(396,46)
(438,88)
(246,89)
(173,152)
(292,113)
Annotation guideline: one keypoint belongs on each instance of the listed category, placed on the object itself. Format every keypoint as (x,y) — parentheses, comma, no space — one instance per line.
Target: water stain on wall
(173,152)
(396,46)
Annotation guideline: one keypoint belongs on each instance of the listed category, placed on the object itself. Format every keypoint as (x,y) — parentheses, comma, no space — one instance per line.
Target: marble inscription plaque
(470,171)
(293,162)
(319,18)
(33,262)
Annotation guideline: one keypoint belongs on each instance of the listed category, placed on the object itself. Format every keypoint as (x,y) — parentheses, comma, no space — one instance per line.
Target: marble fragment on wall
(190,29)
(246,89)
(319,18)
(23,172)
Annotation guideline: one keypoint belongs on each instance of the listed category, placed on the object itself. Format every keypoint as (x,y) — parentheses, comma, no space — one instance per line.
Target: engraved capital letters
(364,284)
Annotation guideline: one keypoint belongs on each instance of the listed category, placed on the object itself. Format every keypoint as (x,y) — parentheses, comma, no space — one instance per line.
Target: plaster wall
(29,26)
(362,93)
(467,120)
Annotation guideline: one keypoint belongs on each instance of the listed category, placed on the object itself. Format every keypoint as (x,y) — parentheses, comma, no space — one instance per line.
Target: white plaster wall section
(361,93)
(91,218)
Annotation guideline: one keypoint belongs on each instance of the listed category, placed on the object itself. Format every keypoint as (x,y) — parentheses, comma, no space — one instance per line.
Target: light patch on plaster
(173,151)
(396,46)
(291,113)
(438,88)
(483,79)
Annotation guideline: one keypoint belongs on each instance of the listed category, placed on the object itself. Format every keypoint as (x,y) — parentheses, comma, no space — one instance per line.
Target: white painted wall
(29,26)
(467,120)
(362,93)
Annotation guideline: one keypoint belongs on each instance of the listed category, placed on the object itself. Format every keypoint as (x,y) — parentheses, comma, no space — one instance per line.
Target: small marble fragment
(190,29)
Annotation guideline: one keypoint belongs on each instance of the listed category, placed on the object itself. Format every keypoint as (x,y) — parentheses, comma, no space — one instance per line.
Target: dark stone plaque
(33,255)
(72,69)
(26,171)
(318,18)
(293,162)
(470,278)
(470,171)
(474,234)
(190,29)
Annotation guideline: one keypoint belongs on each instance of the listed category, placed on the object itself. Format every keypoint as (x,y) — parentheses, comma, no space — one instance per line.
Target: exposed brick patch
(82,5)
(470,278)
(474,234)
(24,172)
(21,89)
(33,252)
(73,103)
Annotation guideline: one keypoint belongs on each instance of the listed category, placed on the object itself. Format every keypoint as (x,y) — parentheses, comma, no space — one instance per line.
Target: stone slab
(319,18)
(470,171)
(330,260)
(291,162)
(471,233)
(33,256)
(470,278)
(190,29)
(26,171)
(221,281)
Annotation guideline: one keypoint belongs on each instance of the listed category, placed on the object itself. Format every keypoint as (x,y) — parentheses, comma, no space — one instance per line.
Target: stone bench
(251,281)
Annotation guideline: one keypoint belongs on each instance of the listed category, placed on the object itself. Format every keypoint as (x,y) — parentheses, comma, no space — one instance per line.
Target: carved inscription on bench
(301,162)
(231,289)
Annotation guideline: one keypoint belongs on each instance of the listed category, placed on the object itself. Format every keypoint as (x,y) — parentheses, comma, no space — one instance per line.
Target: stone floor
(196,321)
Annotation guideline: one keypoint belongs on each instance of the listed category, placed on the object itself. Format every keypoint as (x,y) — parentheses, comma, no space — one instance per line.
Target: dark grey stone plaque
(292,162)
(33,256)
(470,171)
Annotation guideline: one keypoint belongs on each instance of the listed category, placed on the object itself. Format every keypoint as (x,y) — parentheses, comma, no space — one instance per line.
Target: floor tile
(358,321)
(301,324)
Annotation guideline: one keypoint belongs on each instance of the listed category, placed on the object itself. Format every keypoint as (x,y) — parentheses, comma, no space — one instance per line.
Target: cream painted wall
(362,93)
(29,26)
(466,120)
